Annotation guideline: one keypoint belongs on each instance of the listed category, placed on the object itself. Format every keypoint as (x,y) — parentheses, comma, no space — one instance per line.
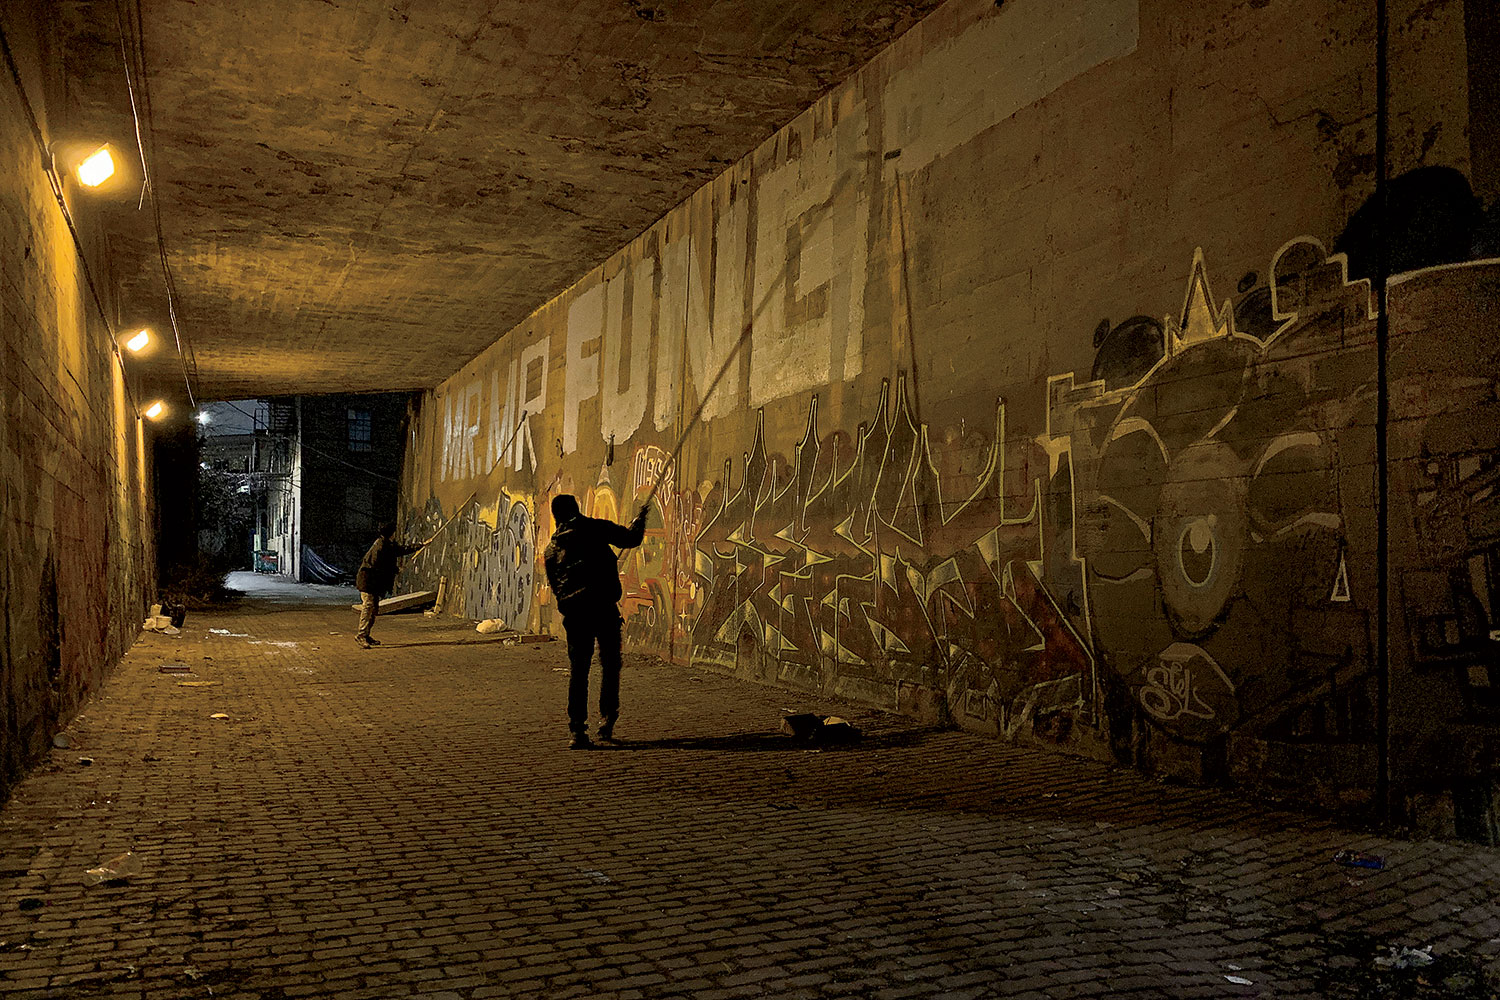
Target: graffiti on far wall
(487,555)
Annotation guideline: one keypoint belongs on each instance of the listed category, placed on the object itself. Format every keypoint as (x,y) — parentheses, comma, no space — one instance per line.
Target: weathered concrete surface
(360,195)
(77,552)
(1028,379)
(406,821)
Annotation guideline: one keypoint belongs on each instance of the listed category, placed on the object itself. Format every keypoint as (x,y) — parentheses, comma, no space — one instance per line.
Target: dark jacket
(377,570)
(581,566)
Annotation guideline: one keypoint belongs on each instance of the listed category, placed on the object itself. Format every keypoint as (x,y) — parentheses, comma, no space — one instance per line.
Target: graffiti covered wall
(896,454)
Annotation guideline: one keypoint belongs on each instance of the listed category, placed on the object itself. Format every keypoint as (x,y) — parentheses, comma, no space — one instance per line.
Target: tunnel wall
(1028,380)
(76,530)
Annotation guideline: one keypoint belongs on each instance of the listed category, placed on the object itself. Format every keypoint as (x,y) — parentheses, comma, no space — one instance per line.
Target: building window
(359,430)
(359,508)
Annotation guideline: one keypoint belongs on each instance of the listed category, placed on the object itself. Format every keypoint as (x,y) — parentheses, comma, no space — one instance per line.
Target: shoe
(373,641)
(581,741)
(362,642)
(607,730)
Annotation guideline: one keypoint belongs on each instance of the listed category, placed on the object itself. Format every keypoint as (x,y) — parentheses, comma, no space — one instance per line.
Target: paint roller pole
(475,492)
(702,405)
(729,358)
(734,352)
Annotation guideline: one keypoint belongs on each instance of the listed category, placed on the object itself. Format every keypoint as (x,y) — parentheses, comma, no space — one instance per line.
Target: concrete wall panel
(1027,380)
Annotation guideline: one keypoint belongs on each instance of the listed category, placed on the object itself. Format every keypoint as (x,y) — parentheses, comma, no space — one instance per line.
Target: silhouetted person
(377,573)
(585,579)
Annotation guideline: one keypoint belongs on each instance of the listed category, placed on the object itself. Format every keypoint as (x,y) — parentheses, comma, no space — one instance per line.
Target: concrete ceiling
(360,195)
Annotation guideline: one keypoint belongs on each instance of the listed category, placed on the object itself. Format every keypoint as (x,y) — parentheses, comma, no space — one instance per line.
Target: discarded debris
(1359,859)
(809,729)
(800,726)
(537,637)
(1240,980)
(174,668)
(492,625)
(85,762)
(405,602)
(116,870)
(1406,958)
(162,624)
(62,741)
(219,715)
(236,635)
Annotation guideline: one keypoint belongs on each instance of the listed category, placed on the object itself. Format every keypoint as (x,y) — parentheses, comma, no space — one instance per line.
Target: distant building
(322,472)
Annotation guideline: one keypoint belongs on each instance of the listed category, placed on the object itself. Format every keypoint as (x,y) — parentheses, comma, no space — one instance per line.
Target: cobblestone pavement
(308,819)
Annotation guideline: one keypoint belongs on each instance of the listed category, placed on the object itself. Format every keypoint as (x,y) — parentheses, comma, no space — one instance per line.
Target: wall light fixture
(96,168)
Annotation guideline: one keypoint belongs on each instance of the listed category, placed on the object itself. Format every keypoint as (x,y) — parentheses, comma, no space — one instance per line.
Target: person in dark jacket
(585,580)
(377,573)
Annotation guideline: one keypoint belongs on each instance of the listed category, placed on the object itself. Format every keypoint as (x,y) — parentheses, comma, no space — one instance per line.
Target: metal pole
(1382,417)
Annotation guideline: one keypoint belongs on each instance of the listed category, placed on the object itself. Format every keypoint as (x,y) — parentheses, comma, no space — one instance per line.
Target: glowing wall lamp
(155,410)
(137,343)
(96,168)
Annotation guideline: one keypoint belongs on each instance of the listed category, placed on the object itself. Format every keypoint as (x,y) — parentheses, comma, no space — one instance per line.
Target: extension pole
(702,405)
(733,352)
(500,458)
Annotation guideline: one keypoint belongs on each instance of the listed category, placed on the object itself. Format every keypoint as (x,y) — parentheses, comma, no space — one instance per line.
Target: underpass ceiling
(360,195)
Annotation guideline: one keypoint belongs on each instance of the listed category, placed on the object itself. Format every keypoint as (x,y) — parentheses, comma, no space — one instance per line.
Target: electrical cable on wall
(137,43)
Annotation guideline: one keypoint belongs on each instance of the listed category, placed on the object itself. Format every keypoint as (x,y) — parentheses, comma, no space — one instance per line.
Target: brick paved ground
(405,822)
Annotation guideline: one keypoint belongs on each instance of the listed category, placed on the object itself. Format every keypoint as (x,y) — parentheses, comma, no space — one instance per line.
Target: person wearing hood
(584,575)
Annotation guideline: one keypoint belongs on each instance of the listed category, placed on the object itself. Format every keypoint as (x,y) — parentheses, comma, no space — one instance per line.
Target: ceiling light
(155,410)
(138,343)
(204,417)
(97,168)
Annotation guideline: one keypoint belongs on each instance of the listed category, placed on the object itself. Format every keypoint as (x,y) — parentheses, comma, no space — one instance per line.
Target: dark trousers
(583,631)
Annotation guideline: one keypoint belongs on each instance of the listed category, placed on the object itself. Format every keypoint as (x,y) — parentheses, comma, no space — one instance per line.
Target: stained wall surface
(76,529)
(1029,380)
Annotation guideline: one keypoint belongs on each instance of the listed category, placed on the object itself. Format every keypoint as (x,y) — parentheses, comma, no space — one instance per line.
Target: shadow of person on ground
(766,741)
(387,644)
